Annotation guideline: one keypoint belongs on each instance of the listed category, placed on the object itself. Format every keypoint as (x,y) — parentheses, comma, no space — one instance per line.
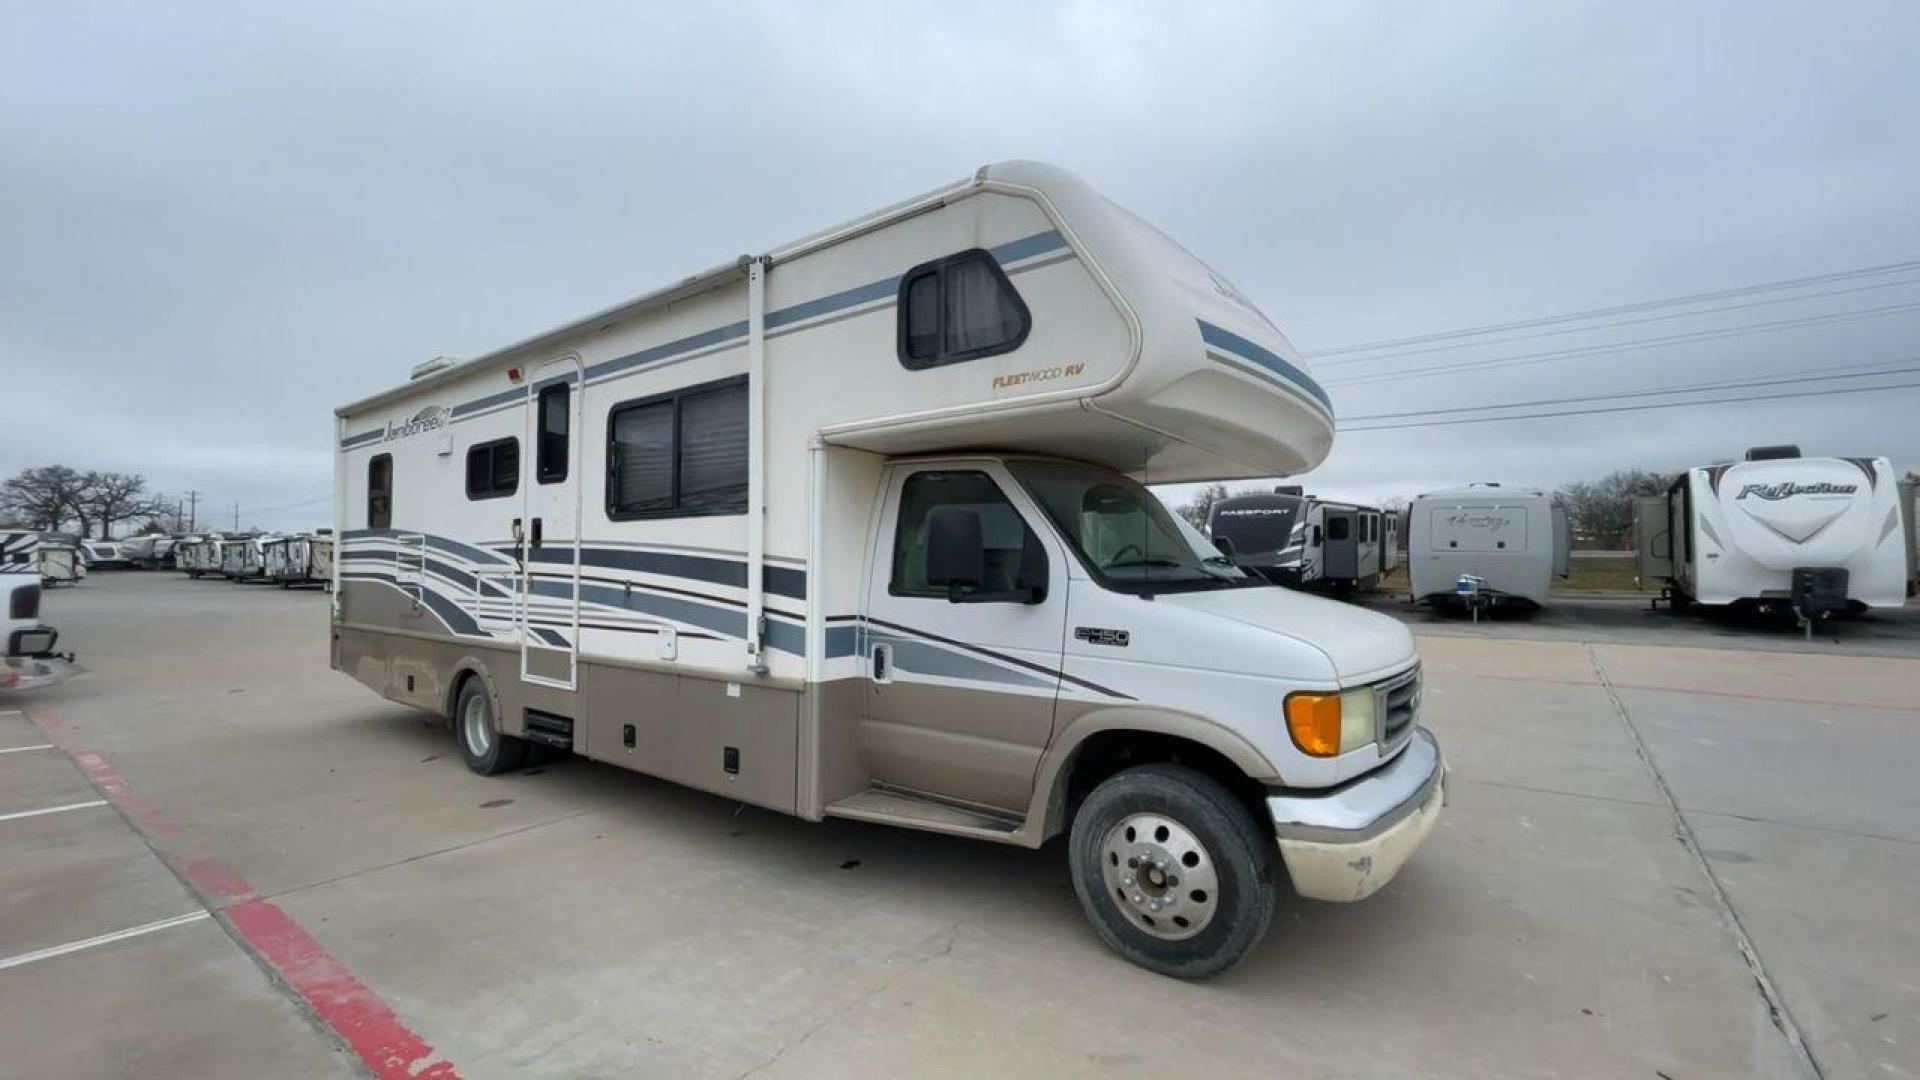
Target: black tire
(1238,853)
(502,753)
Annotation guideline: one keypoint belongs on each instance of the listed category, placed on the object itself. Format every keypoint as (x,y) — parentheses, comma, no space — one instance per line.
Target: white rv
(303,559)
(1818,535)
(29,661)
(105,555)
(1510,542)
(57,556)
(244,558)
(1305,542)
(197,555)
(856,529)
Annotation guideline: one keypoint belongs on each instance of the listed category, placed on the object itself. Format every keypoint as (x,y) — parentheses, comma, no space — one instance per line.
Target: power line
(1912,365)
(1621,309)
(1639,408)
(1628,346)
(1597,327)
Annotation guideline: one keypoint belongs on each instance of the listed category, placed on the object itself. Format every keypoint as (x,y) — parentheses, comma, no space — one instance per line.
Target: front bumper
(1345,843)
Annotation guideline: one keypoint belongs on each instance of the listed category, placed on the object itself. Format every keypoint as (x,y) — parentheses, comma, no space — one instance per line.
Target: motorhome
(1510,543)
(1814,535)
(301,559)
(1305,542)
(57,556)
(857,528)
(29,662)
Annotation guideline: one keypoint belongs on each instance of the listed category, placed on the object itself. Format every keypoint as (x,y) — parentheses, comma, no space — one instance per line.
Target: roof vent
(1773,453)
(438,363)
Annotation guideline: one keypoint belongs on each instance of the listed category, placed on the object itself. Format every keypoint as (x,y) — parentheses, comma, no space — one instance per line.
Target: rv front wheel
(1172,870)
(485,749)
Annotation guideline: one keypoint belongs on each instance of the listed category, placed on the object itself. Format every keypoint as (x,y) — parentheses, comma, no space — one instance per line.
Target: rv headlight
(1328,725)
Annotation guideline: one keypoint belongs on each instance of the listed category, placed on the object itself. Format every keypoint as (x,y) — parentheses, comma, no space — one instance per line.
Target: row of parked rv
(286,560)
(1808,535)
(289,560)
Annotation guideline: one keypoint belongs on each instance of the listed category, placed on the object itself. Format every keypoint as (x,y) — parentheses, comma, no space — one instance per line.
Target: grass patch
(1589,576)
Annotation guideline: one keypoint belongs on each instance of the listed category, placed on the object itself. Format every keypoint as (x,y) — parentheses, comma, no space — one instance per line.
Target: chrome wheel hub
(1161,875)
(477,726)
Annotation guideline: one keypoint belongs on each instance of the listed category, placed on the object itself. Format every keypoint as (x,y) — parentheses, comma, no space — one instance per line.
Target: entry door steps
(890,807)
(549,729)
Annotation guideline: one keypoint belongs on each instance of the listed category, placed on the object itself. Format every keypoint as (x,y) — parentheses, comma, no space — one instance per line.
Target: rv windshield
(1122,533)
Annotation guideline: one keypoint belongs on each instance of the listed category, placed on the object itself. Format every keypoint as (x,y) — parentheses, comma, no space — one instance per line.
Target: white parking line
(52,810)
(103,939)
(23,749)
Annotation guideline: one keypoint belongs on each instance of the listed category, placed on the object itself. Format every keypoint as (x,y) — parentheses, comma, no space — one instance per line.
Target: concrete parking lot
(1673,856)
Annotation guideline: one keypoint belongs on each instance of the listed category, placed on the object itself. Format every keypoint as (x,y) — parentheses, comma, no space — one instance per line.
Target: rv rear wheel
(1172,870)
(485,750)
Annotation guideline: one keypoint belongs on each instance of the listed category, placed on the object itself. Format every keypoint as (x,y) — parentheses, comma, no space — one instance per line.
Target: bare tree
(1195,510)
(47,497)
(1602,511)
(114,497)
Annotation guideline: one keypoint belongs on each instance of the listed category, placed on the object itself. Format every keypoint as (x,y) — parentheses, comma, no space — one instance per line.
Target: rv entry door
(1340,559)
(550,525)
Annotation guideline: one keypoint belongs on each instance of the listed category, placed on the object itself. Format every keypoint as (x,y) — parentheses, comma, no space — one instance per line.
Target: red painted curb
(339,999)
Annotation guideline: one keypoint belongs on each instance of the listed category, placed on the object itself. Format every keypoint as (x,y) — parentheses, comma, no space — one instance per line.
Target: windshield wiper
(1144,562)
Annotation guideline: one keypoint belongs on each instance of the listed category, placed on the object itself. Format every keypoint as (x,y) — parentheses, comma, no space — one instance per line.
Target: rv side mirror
(1224,545)
(956,554)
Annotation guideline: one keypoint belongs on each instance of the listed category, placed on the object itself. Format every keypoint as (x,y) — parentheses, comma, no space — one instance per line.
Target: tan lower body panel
(683,724)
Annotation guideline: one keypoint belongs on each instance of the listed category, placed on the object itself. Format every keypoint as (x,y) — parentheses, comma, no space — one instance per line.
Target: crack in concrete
(489,838)
(850,1007)
(1777,1010)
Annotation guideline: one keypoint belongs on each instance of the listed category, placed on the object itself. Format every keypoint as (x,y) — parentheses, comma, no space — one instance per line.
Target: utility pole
(193,508)
(236,515)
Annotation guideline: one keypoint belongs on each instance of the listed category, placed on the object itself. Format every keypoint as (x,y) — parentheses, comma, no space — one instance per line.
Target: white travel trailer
(197,555)
(244,558)
(1814,535)
(57,556)
(1305,542)
(1513,542)
(105,554)
(303,559)
(857,529)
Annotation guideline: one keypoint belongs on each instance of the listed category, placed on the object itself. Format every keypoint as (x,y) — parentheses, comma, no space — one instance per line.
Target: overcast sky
(216,225)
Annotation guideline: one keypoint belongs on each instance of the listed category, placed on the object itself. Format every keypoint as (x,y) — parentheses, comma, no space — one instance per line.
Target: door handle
(536,533)
(882,663)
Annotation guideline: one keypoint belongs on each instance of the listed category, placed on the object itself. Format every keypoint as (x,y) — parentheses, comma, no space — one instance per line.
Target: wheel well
(1110,752)
(454,690)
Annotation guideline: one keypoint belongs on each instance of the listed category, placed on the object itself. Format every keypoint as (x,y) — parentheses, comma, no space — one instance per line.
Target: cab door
(549,612)
(961,678)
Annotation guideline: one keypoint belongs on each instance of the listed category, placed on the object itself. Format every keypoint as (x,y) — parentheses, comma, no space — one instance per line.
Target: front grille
(1399,704)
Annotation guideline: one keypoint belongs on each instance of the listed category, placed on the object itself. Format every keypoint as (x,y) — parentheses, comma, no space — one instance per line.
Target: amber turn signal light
(1314,722)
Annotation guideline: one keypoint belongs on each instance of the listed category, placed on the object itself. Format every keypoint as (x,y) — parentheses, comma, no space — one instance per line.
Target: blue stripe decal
(1037,244)
(362,439)
(1228,341)
(865,294)
(779,580)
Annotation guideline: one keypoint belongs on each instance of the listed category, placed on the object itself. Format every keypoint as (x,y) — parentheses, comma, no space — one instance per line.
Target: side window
(959,308)
(1015,559)
(493,469)
(1337,528)
(680,454)
(380,492)
(556,416)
